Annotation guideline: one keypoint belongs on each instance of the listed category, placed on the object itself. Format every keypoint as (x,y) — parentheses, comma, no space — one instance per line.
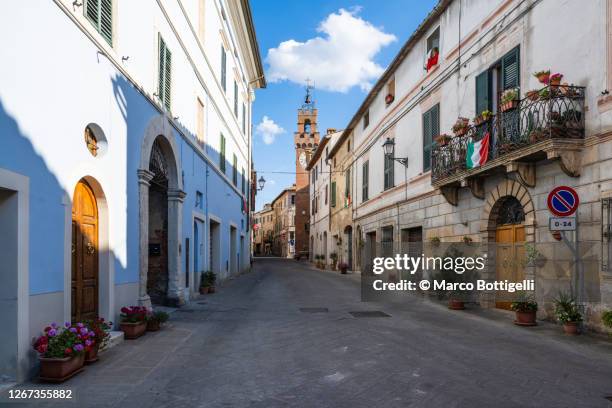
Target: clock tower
(306,141)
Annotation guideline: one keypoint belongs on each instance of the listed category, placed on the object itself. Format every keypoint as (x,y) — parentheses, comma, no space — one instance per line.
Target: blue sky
(342,45)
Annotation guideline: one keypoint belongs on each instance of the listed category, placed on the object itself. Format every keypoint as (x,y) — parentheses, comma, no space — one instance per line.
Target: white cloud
(268,130)
(336,61)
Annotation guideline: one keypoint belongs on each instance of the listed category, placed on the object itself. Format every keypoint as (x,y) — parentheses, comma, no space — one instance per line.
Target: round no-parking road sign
(563,201)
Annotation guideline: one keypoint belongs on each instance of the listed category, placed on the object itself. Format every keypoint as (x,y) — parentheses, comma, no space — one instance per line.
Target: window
(390,96)
(201,19)
(386,242)
(292,199)
(223,68)
(348,146)
(431,128)
(242,181)
(347,183)
(365,180)
(200,122)
(366,119)
(100,13)
(222,153)
(243,118)
(165,68)
(388,170)
(500,76)
(235,170)
(235,99)
(307,126)
(433,49)
(333,193)
(199,200)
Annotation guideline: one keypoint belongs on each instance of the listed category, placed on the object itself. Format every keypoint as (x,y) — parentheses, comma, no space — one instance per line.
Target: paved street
(249,345)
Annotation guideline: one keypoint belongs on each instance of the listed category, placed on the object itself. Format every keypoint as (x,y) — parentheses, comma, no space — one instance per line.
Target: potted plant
(509,99)
(461,126)
(442,139)
(389,99)
(525,308)
(204,284)
(334,258)
(467,240)
(567,313)
(533,95)
(343,266)
(455,301)
(544,93)
(606,318)
(101,334)
(543,76)
(484,116)
(555,79)
(133,321)
(533,257)
(211,278)
(62,350)
(155,320)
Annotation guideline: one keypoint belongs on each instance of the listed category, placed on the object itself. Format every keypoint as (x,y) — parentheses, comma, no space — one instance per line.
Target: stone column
(176,279)
(144,181)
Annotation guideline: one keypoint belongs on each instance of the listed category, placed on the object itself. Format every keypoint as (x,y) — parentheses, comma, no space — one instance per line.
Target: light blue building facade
(125,158)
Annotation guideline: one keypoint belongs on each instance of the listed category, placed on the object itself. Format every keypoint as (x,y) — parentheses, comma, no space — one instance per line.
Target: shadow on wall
(49,206)
(137,113)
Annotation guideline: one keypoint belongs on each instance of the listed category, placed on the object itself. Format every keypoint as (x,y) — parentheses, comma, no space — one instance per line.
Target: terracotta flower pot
(91,355)
(543,78)
(204,290)
(133,330)
(153,325)
(60,369)
(455,304)
(570,328)
(555,81)
(507,106)
(212,289)
(525,318)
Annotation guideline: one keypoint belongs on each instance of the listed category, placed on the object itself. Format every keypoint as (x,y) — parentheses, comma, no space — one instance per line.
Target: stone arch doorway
(508,223)
(84,253)
(160,204)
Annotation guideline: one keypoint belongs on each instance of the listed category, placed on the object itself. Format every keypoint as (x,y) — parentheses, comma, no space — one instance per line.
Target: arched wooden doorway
(85,274)
(510,245)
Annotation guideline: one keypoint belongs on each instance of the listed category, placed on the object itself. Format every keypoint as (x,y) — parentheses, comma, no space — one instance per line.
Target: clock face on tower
(302,160)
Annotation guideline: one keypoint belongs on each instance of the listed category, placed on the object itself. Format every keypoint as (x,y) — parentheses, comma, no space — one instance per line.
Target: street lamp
(262,182)
(389,148)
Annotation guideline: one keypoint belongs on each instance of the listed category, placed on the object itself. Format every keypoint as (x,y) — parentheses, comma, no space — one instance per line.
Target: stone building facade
(263,231)
(320,170)
(458,63)
(283,208)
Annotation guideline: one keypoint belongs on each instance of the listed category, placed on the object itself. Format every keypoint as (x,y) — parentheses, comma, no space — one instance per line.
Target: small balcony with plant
(546,124)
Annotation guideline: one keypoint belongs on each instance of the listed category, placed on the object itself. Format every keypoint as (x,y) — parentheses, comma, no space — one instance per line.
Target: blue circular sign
(563,201)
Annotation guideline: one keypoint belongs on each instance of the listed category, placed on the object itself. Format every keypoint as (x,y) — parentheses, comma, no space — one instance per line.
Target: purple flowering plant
(59,342)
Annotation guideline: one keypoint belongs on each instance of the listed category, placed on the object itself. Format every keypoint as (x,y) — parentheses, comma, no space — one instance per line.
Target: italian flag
(478,152)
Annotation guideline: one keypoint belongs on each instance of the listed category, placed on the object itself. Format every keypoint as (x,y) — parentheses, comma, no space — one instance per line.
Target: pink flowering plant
(134,314)
(64,341)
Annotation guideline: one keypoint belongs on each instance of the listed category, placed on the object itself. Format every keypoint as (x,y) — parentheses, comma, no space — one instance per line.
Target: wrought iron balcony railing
(556,113)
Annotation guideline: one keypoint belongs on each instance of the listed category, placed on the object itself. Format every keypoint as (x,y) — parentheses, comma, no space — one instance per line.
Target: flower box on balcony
(461,126)
(508,106)
(442,140)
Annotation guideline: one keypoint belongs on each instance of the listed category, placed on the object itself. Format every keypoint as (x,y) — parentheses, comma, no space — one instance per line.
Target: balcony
(549,126)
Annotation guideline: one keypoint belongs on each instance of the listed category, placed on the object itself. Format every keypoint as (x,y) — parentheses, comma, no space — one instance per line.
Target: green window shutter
(365,181)
(100,13)
(106,20)
(511,69)
(347,183)
(223,69)
(483,92)
(165,68)
(235,170)
(222,153)
(431,128)
(333,194)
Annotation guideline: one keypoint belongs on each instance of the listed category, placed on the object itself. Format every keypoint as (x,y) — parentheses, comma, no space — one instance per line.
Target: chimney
(331,130)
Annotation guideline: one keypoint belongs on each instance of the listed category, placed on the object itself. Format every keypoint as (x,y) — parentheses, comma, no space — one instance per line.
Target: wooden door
(509,258)
(84,254)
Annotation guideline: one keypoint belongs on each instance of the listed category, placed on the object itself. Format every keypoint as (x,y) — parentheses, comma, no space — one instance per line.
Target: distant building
(263,231)
(283,207)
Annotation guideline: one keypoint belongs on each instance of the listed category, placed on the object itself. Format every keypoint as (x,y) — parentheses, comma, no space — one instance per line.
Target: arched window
(510,212)
(307,126)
